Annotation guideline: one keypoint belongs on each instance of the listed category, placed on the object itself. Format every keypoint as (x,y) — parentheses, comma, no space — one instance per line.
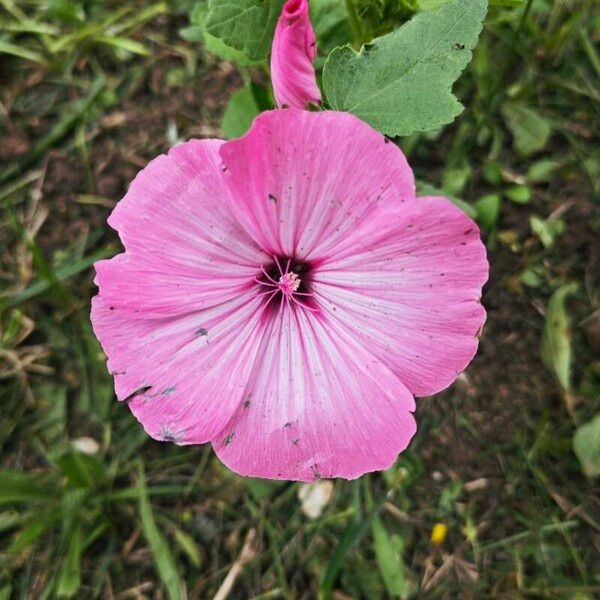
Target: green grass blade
(16,487)
(21,52)
(389,562)
(69,579)
(163,559)
(124,43)
(62,273)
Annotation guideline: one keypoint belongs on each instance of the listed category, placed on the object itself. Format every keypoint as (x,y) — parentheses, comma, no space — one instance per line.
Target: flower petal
(292,55)
(408,285)
(184,376)
(174,313)
(317,405)
(302,181)
(184,249)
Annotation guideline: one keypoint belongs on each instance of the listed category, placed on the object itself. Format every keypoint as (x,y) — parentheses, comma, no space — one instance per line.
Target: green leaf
(492,172)
(586,444)
(330,20)
(193,33)
(239,113)
(69,579)
(556,338)
(432,4)
(454,180)
(547,231)
(198,33)
(389,561)
(488,210)
(521,194)
(542,170)
(402,82)
(246,25)
(163,559)
(529,129)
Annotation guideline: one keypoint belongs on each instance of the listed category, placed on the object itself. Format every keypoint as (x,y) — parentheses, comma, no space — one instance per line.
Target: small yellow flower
(438,534)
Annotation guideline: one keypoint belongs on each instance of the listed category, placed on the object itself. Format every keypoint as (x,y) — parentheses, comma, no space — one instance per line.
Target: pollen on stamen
(289,283)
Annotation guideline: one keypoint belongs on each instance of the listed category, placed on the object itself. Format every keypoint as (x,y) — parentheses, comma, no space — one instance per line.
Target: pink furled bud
(292,55)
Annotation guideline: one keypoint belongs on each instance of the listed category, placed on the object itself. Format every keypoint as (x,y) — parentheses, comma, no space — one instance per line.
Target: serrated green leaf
(556,338)
(163,559)
(402,82)
(389,561)
(586,444)
(246,25)
(239,113)
(198,33)
(529,129)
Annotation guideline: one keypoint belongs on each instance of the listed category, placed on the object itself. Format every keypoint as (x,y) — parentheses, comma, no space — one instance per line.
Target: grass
(90,507)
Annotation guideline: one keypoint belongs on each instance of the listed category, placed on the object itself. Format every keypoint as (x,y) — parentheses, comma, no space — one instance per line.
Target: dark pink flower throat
(286,279)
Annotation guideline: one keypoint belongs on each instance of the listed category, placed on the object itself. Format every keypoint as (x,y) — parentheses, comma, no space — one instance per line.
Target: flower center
(287,280)
(289,283)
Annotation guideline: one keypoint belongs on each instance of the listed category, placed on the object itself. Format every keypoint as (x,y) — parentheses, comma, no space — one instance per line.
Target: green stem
(354,23)
(524,16)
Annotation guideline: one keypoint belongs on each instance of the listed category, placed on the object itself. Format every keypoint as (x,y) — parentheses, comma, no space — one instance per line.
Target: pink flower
(294,50)
(285,295)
